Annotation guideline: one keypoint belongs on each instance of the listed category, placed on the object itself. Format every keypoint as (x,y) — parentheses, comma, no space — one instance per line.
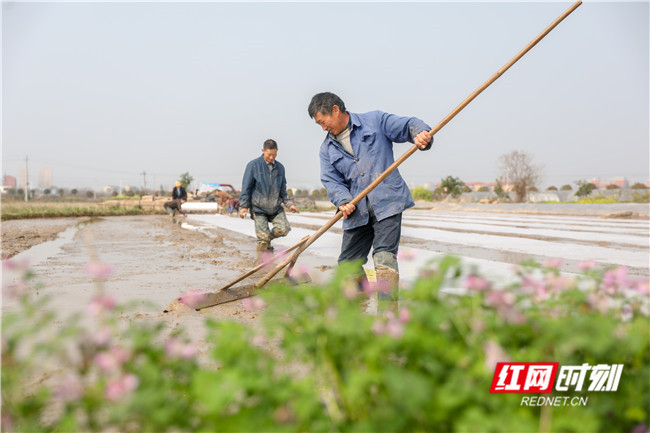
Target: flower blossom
(99,271)
(392,325)
(474,282)
(112,360)
(406,254)
(192,298)
(615,280)
(174,348)
(121,387)
(69,388)
(587,264)
(101,303)
(553,263)
(253,303)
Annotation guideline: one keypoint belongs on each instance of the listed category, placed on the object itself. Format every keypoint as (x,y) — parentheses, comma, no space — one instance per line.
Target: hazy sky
(101,92)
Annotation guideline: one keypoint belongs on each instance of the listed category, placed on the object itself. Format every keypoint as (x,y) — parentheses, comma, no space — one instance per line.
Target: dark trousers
(383,236)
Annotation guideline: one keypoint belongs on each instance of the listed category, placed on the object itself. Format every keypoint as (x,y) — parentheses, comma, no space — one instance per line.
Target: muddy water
(154,262)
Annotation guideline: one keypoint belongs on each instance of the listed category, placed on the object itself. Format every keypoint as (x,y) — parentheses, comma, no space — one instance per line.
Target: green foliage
(452,185)
(500,192)
(186,179)
(584,188)
(597,199)
(421,193)
(567,187)
(612,186)
(484,189)
(319,364)
(639,185)
(551,188)
(642,197)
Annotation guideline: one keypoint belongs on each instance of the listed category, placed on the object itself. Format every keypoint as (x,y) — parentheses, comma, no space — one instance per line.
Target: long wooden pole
(292,258)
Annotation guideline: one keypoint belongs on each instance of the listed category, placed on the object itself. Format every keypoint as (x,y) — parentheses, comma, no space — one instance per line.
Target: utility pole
(144,174)
(26,180)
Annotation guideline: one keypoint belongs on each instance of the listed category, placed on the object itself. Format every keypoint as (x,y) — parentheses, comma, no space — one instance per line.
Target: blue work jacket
(263,190)
(345,176)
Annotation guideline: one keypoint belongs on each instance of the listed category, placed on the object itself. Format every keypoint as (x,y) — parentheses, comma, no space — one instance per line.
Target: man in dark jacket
(263,191)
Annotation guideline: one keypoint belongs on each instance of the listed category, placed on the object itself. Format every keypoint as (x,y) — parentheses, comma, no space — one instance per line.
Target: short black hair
(324,103)
(270,144)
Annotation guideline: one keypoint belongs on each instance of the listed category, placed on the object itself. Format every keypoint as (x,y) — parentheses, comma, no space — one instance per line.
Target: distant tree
(551,188)
(47,191)
(584,188)
(421,193)
(186,180)
(61,192)
(452,185)
(466,188)
(74,191)
(566,187)
(90,194)
(533,189)
(20,192)
(484,189)
(500,192)
(438,194)
(114,194)
(518,169)
(639,185)
(612,186)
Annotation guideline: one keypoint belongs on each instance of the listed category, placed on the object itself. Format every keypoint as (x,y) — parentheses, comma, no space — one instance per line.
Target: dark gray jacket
(264,191)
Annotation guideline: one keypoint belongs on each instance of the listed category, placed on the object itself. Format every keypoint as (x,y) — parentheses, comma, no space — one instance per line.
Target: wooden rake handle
(292,258)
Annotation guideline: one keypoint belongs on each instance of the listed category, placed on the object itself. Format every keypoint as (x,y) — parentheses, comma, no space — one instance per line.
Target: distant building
(9,181)
(45,178)
(620,182)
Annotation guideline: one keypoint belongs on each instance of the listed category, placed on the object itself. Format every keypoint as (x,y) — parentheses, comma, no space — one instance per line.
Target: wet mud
(154,263)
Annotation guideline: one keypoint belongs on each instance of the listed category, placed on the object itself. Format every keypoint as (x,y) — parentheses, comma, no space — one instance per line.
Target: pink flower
(378,327)
(473,282)
(253,303)
(493,354)
(175,348)
(69,388)
(350,290)
(406,254)
(500,298)
(391,325)
(192,298)
(394,328)
(587,264)
(404,315)
(101,303)
(121,387)
(533,287)
(643,286)
(99,271)
(553,263)
(259,341)
(101,337)
(15,265)
(558,283)
(368,287)
(267,259)
(112,360)
(615,279)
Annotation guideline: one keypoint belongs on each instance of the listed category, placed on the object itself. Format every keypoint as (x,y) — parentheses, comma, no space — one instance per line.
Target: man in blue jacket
(263,191)
(357,149)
